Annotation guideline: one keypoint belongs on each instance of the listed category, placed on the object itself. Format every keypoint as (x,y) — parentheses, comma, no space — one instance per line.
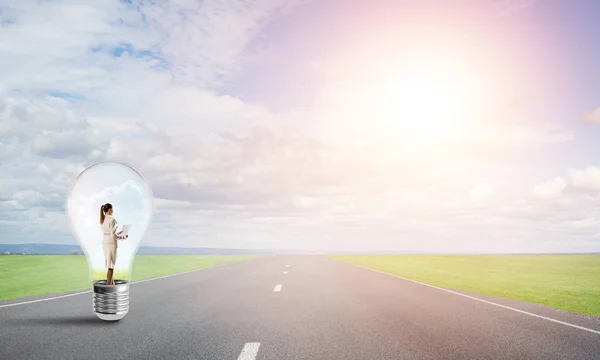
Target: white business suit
(109,241)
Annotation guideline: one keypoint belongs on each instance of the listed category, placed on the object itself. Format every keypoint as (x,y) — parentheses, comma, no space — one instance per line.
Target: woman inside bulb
(109,242)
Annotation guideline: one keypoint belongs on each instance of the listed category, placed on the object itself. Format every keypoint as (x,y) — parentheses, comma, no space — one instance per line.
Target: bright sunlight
(425,103)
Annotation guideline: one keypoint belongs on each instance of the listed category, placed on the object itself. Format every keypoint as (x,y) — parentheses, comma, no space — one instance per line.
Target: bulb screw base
(111,302)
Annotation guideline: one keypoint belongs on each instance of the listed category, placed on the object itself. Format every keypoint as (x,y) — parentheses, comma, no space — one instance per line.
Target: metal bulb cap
(111,302)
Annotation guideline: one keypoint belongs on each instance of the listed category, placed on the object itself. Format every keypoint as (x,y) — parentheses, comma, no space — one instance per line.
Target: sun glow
(425,103)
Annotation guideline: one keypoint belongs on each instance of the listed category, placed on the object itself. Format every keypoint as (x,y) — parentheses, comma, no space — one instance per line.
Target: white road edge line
(249,351)
(597,332)
(39,300)
(277,288)
(285,273)
(134,282)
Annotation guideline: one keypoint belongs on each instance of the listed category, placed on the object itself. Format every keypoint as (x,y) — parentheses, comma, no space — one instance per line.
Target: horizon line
(406,252)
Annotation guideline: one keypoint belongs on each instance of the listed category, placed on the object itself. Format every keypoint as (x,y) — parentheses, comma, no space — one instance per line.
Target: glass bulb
(133,204)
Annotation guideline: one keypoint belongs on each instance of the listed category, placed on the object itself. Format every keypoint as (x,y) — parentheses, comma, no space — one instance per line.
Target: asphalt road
(322,309)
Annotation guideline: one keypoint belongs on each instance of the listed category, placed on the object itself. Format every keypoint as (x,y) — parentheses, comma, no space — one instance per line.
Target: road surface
(294,307)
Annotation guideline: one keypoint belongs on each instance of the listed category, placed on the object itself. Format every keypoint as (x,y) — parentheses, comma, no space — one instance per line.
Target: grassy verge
(27,275)
(568,282)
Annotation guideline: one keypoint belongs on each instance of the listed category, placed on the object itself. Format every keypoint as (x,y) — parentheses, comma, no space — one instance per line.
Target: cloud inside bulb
(133,204)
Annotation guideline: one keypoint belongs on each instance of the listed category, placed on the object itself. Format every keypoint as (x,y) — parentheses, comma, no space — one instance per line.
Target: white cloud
(550,189)
(48,127)
(165,205)
(586,179)
(592,116)
(482,191)
(589,223)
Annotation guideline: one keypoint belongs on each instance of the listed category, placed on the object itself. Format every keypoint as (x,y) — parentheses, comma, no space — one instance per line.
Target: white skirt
(110,254)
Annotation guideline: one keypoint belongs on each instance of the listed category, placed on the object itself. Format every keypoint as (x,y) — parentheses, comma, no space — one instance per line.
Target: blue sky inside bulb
(132,200)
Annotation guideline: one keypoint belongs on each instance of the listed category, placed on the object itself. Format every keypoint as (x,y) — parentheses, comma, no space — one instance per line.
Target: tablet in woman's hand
(125,230)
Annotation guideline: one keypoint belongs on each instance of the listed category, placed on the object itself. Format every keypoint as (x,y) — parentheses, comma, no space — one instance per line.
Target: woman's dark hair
(103,209)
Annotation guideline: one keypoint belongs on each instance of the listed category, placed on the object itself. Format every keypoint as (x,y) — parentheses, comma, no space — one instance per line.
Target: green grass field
(568,282)
(27,275)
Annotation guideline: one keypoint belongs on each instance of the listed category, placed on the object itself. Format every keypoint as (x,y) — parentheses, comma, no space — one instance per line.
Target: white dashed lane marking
(249,351)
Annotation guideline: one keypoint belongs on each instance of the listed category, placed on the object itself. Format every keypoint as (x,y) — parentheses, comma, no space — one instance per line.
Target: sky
(431,126)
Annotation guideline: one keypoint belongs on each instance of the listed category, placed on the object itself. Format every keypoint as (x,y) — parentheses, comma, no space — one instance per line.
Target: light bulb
(133,204)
